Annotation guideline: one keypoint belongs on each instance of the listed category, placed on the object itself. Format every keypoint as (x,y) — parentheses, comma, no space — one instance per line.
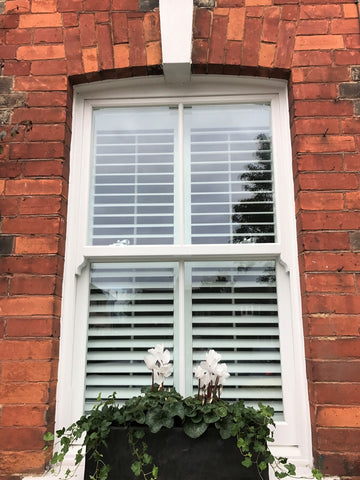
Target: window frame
(201,90)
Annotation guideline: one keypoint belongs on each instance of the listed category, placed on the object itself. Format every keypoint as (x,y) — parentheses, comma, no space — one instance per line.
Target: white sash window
(181,231)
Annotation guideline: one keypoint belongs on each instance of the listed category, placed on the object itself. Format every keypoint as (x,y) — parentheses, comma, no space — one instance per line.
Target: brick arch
(248,38)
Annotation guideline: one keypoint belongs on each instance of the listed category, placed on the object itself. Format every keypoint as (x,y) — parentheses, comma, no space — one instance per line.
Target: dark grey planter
(179,457)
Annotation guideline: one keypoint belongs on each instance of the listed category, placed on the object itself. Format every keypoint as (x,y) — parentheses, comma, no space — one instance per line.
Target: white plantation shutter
(231,174)
(234,310)
(203,174)
(132,194)
(131,308)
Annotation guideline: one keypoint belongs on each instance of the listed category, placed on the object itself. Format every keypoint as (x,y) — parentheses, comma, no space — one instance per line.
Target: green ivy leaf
(247,462)
(48,437)
(155,472)
(136,468)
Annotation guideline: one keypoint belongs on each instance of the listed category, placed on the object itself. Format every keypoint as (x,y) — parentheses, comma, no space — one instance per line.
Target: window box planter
(178,456)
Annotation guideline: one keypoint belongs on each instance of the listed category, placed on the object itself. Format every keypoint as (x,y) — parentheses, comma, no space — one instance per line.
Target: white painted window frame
(201,89)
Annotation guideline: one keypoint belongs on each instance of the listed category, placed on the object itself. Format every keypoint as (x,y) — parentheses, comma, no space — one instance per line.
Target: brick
(106,60)
(233,53)
(338,417)
(310,126)
(125,5)
(6,243)
(32,327)
(336,348)
(13,67)
(136,42)
(73,51)
(327,143)
(27,370)
(321,201)
(350,11)
(332,325)
(36,245)
(319,42)
(153,53)
(31,225)
(218,39)
(351,162)
(332,261)
(29,462)
(48,35)
(91,5)
(47,67)
(345,439)
(324,108)
(18,37)
(320,11)
(320,74)
(27,305)
(90,60)
(23,415)
(33,187)
(340,464)
(236,24)
(271,24)
(70,20)
(21,439)
(26,350)
(87,29)
(319,162)
(200,51)
(336,371)
(313,27)
(251,41)
(352,200)
(35,264)
(289,12)
(120,27)
(41,83)
(285,49)
(330,220)
(152,27)
(343,57)
(40,20)
(341,26)
(43,6)
(46,99)
(18,6)
(267,54)
(330,282)
(304,58)
(328,181)
(230,3)
(69,5)
(36,150)
(335,304)
(202,23)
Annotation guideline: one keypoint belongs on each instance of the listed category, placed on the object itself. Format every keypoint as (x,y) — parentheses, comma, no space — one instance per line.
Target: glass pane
(233,307)
(231,174)
(132,190)
(131,309)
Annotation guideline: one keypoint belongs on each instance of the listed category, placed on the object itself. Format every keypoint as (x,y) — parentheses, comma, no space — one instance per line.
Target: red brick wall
(46,45)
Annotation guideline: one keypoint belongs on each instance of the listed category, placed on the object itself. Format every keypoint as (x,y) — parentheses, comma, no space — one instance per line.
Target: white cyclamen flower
(221,371)
(158,362)
(161,355)
(212,359)
(202,375)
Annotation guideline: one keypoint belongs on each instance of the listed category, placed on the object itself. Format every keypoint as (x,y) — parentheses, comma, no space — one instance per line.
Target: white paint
(176,21)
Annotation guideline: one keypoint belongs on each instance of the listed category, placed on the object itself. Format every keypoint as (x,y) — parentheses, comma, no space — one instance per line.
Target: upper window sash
(282,210)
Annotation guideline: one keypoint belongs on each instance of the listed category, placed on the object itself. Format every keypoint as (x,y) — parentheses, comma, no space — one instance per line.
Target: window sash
(212,185)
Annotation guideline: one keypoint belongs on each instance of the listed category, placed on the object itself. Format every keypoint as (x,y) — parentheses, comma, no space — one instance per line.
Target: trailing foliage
(251,428)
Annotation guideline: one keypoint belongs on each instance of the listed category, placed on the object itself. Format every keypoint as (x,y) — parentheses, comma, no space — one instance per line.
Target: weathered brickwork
(49,45)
